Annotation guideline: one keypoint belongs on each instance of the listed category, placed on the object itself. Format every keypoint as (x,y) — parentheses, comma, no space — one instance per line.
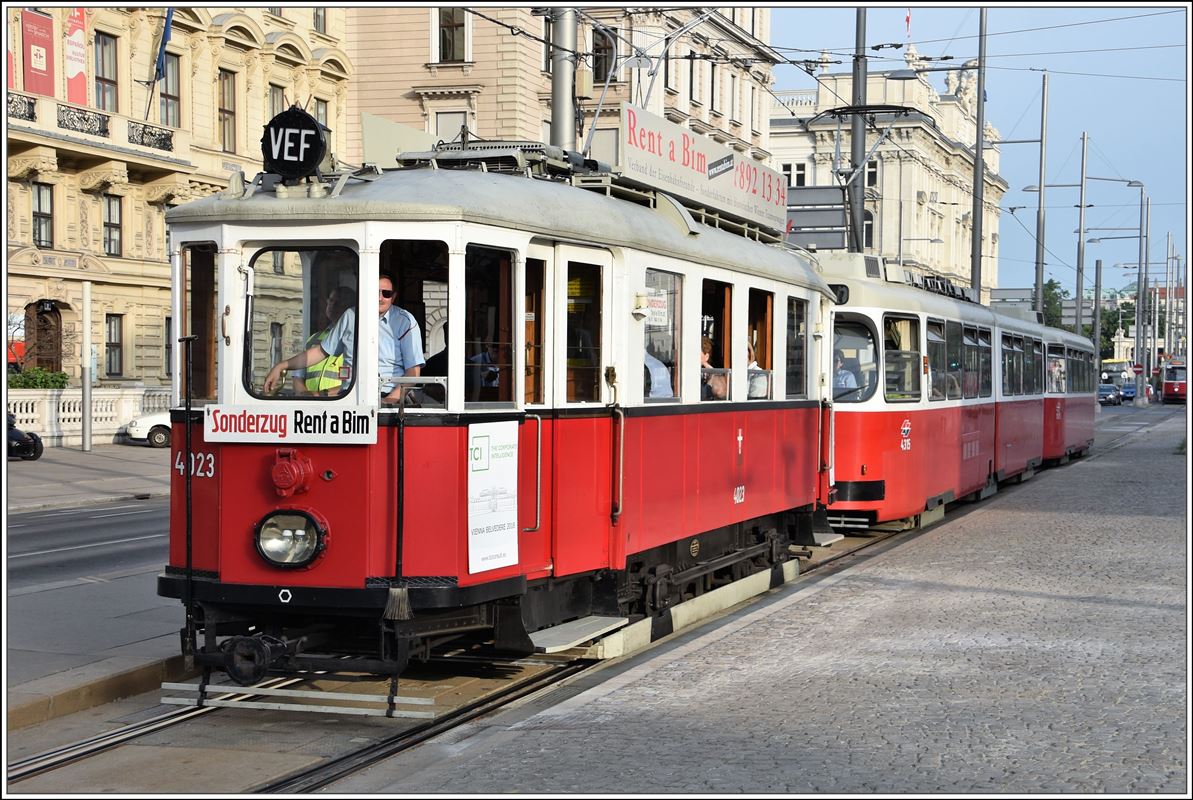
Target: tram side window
(535,319)
(306,312)
(583,333)
(1031,366)
(797,347)
(1056,369)
(971,372)
(854,341)
(199,320)
(902,364)
(953,339)
(487,356)
(937,358)
(661,337)
(715,344)
(419,271)
(985,363)
(1008,366)
(759,345)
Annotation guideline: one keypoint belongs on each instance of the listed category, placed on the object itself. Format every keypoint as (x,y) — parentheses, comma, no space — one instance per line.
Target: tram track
(558,670)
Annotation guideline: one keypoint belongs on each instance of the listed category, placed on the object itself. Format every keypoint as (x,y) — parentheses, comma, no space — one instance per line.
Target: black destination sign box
(294,144)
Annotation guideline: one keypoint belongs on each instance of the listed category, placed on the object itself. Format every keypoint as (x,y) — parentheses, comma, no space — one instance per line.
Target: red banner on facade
(37,37)
(74,57)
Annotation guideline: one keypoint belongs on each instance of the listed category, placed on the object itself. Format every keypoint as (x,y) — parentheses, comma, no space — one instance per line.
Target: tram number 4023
(739,494)
(202,465)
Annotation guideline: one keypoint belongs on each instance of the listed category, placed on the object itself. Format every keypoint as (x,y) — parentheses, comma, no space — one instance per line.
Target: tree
(1053,296)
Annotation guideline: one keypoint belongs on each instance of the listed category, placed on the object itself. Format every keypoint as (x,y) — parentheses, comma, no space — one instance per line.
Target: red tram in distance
(1175,384)
(619,409)
(937,398)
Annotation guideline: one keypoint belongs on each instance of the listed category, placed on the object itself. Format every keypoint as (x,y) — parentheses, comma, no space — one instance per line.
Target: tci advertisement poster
(492,495)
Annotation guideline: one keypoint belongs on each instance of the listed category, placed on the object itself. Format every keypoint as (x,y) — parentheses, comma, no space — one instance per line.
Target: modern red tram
(939,398)
(1174,387)
(589,464)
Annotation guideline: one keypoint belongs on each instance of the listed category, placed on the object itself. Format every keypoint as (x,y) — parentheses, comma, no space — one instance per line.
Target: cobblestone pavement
(1034,645)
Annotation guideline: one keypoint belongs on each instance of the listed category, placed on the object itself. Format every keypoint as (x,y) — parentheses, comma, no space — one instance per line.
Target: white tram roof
(549,208)
(866,291)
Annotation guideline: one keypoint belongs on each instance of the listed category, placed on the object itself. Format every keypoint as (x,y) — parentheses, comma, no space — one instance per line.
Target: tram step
(570,634)
(826,539)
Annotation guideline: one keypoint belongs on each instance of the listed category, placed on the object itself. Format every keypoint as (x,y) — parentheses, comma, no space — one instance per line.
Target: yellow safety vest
(323,375)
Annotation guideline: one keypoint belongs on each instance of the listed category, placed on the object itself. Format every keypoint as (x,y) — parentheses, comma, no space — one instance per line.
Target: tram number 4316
(202,465)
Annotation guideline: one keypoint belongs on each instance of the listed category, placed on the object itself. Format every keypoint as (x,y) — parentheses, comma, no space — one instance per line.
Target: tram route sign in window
(294,144)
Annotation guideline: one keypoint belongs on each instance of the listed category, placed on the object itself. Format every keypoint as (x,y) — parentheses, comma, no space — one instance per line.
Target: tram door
(582,451)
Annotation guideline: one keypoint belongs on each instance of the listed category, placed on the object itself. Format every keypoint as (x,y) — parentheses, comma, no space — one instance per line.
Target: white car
(152,428)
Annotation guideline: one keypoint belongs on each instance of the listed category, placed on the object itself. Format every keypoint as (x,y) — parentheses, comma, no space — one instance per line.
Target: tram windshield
(304,302)
(856,378)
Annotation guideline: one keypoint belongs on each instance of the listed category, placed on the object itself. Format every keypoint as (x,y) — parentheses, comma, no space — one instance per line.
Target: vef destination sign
(675,160)
(310,424)
(294,144)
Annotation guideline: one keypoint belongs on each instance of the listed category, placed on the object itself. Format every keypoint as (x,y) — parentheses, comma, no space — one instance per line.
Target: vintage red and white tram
(588,464)
(938,398)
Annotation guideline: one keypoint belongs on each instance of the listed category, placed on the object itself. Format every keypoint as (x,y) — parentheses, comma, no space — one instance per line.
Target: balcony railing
(22,107)
(150,136)
(83,121)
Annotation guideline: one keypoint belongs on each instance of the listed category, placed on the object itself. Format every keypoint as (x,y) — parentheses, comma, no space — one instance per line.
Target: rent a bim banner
(672,159)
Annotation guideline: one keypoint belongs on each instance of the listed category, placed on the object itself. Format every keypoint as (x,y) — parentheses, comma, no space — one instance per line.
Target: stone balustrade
(57,414)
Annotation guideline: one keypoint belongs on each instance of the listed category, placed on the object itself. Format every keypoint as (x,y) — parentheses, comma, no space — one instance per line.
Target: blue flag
(161,50)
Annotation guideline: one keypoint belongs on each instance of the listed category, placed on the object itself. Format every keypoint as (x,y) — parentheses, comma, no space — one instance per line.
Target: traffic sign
(1138,369)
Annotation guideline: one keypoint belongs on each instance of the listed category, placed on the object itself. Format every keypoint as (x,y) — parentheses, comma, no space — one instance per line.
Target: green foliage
(1053,295)
(37,378)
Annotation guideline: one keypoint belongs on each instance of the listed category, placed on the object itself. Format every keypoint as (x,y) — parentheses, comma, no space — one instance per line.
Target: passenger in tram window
(399,345)
(758,379)
(323,378)
(843,378)
(656,377)
(714,384)
(483,371)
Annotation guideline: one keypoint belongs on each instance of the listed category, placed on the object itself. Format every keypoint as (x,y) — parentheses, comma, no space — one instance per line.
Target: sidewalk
(66,477)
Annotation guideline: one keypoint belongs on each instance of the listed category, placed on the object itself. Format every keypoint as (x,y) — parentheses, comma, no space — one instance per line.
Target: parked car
(1109,395)
(151,428)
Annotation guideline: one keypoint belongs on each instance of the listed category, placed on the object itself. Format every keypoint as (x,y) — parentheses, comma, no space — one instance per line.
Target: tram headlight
(290,538)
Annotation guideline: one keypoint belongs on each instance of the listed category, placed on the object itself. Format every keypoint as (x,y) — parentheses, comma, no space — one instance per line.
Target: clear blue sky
(1120,74)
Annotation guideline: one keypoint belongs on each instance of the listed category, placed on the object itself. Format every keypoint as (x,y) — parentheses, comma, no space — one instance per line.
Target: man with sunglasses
(399,344)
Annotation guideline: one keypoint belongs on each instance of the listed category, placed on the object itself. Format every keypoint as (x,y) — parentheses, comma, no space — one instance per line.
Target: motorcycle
(27,446)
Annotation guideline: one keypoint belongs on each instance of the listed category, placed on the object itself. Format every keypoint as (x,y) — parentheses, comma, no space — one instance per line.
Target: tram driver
(399,345)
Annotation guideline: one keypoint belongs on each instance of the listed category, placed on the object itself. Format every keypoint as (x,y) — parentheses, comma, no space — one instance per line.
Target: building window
(871,173)
(275,10)
(277,100)
(170,94)
(714,97)
(321,20)
(43,215)
(800,176)
(604,54)
(868,229)
(227,112)
(105,72)
(448,124)
(734,113)
(114,344)
(693,84)
(321,112)
(547,52)
(112,219)
(169,346)
(451,35)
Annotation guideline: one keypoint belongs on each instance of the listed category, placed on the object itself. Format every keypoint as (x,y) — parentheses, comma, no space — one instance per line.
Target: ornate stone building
(100,143)
(919,180)
(491,71)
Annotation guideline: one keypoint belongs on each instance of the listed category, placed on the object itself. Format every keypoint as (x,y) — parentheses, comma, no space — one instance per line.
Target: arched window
(868,229)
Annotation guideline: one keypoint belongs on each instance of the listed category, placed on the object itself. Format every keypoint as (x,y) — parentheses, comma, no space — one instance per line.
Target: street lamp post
(1081,219)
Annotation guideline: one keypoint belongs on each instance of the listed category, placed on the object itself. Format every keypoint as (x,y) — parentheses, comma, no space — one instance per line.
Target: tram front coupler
(247,659)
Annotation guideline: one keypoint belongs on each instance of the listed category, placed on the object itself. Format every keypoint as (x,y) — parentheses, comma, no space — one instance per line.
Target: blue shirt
(399,343)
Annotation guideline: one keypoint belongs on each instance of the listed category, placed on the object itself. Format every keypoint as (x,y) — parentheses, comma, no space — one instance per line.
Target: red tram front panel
(893,463)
